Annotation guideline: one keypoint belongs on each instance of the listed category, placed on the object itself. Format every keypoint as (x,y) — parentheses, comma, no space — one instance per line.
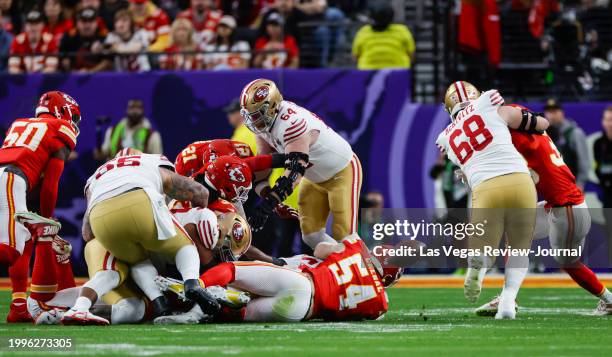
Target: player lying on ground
(342,282)
(564,216)
(503,195)
(224,235)
(33,155)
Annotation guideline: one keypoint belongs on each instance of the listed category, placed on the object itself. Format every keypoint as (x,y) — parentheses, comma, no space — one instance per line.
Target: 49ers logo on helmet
(237,232)
(236,175)
(261,93)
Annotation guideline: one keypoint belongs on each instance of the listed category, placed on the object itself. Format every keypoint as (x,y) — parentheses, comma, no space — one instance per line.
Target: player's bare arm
(183,189)
(522,119)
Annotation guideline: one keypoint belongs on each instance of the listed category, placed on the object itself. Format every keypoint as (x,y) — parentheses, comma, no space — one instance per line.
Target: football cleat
(50,317)
(171,285)
(73,317)
(228,297)
(191,317)
(62,249)
(490,308)
(603,308)
(472,285)
(18,312)
(195,292)
(39,227)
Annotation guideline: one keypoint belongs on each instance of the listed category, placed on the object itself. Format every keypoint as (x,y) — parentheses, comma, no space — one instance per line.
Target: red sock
(65,277)
(221,274)
(44,277)
(8,255)
(19,272)
(585,277)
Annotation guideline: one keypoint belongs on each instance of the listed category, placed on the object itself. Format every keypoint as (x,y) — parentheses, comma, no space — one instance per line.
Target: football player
(128,216)
(342,282)
(197,154)
(503,195)
(33,154)
(315,154)
(564,216)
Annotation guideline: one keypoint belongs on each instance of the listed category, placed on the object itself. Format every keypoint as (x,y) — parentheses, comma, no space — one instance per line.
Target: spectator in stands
(226,52)
(245,12)
(57,24)
(96,5)
(597,22)
(275,49)
(292,16)
(82,48)
(133,131)
(602,153)
(11,15)
(326,35)
(383,44)
(6,38)
(154,21)
(204,19)
(126,42)
(181,40)
(109,8)
(33,50)
(569,138)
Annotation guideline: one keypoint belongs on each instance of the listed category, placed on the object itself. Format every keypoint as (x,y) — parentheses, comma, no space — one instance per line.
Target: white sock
(516,269)
(606,296)
(65,298)
(144,274)
(103,282)
(82,304)
(315,238)
(187,262)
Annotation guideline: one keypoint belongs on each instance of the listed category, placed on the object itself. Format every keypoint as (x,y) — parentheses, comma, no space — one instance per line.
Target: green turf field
(552,322)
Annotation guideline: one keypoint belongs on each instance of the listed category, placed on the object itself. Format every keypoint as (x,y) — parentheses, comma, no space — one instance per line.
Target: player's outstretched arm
(48,189)
(183,189)
(522,119)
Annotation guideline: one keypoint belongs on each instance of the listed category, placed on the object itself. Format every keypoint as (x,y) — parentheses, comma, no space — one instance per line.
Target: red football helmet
(389,274)
(60,105)
(217,148)
(231,177)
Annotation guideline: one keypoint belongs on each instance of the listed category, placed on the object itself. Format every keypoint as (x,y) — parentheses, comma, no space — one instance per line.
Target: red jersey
(30,143)
(218,205)
(173,59)
(156,23)
(192,160)
(347,286)
(207,22)
(287,51)
(43,54)
(556,183)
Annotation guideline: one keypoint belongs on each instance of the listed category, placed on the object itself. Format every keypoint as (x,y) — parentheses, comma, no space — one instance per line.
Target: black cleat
(160,307)
(195,292)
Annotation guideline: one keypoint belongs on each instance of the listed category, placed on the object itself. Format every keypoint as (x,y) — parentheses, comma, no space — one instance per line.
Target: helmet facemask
(258,121)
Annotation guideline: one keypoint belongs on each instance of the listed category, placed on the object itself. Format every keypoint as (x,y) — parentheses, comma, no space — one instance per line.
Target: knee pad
(315,238)
(127,311)
(292,305)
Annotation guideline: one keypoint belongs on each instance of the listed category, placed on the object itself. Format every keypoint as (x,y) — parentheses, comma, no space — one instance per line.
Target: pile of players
(164,240)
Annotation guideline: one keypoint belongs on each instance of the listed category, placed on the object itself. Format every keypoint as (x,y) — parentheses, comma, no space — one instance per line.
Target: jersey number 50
(24,134)
(478,138)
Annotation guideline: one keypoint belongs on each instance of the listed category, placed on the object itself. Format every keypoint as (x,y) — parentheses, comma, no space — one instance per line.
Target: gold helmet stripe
(461,92)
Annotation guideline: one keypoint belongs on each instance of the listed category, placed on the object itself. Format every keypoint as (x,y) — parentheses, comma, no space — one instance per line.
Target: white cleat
(603,309)
(472,285)
(506,310)
(191,317)
(490,308)
(50,317)
(228,297)
(73,317)
(171,285)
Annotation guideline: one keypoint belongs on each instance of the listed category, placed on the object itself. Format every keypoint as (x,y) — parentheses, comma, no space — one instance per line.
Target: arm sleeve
(48,190)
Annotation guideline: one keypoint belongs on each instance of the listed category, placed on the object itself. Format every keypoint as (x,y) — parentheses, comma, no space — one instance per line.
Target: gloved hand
(286,212)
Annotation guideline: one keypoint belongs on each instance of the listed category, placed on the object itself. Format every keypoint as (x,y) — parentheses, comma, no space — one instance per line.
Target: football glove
(259,217)
(286,212)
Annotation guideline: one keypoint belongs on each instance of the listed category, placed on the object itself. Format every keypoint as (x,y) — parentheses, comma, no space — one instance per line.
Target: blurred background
(167,73)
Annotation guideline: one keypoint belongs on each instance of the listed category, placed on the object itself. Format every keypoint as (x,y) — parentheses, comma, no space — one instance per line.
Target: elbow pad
(529,121)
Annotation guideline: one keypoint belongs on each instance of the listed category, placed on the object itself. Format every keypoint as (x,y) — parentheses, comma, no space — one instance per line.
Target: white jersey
(479,141)
(126,173)
(328,155)
(205,222)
